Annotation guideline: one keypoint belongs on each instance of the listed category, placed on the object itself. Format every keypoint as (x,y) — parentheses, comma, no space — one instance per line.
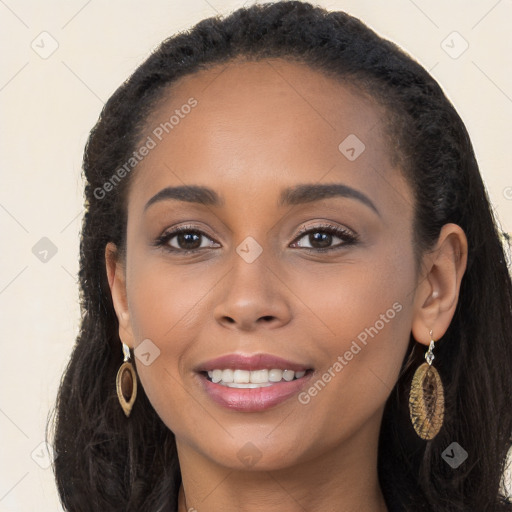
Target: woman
(294,293)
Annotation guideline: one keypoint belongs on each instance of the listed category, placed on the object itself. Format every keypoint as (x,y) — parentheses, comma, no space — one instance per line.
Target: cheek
(167,298)
(366,310)
(168,306)
(346,298)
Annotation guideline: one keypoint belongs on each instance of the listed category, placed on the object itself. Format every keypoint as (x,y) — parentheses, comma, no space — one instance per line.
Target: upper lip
(251,362)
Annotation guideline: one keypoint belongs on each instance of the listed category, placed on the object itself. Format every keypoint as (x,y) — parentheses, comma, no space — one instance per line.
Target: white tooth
(288,375)
(259,376)
(241,376)
(216,375)
(227,376)
(247,385)
(275,375)
(299,375)
(210,373)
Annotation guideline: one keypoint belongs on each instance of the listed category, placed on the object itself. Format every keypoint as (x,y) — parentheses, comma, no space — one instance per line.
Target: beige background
(48,106)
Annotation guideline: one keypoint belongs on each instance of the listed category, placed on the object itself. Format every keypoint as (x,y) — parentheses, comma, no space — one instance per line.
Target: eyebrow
(308,193)
(299,194)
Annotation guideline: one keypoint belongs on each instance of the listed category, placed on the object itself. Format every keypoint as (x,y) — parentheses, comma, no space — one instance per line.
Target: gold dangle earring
(126,383)
(426,398)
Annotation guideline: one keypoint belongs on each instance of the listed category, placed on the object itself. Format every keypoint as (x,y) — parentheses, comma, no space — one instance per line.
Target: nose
(253,297)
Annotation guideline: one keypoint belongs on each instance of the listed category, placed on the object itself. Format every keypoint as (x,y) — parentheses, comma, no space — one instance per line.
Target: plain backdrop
(61,62)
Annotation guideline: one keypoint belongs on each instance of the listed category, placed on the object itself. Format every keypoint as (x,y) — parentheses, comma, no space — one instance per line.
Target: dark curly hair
(106,462)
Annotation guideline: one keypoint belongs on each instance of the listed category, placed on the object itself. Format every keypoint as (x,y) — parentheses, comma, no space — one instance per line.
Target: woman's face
(301,259)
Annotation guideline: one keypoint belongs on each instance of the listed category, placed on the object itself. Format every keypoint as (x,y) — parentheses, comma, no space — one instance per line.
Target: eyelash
(349,238)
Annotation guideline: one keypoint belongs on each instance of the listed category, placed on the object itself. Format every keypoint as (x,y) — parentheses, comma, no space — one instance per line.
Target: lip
(252,399)
(250,362)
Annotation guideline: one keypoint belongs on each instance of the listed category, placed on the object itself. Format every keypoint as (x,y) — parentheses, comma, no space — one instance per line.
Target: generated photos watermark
(157,135)
(355,348)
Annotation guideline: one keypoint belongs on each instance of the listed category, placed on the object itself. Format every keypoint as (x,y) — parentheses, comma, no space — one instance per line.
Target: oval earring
(126,383)
(426,398)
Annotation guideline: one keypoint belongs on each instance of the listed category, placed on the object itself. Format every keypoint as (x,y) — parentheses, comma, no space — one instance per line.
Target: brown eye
(184,240)
(321,238)
(188,240)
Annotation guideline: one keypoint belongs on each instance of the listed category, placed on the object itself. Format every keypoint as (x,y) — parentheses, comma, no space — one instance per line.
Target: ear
(438,288)
(116,273)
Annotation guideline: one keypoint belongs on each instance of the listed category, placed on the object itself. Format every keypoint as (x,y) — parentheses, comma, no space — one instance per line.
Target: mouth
(252,383)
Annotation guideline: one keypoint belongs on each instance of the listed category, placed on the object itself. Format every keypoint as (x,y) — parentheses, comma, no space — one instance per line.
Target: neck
(343,479)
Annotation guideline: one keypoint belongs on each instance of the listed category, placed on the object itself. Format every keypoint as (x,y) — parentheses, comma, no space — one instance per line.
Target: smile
(245,379)
(252,383)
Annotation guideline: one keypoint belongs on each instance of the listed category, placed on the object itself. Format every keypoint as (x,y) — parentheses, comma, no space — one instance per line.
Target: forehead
(256,121)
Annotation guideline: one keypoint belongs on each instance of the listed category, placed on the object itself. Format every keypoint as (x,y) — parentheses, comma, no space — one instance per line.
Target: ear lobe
(437,294)
(116,274)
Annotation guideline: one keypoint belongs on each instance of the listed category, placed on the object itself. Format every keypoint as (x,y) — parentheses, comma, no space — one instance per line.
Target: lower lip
(253,399)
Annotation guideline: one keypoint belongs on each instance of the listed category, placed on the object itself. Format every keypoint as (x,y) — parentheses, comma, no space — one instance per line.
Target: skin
(257,128)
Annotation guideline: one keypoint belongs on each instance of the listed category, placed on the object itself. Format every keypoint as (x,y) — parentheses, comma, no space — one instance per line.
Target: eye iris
(321,238)
(185,239)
